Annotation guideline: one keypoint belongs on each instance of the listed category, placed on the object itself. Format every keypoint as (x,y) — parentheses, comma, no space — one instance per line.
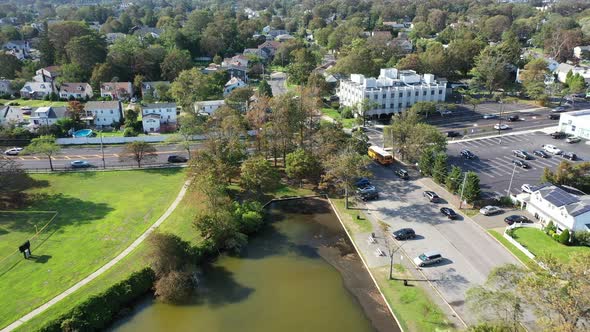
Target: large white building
(104,113)
(392,92)
(154,116)
(575,123)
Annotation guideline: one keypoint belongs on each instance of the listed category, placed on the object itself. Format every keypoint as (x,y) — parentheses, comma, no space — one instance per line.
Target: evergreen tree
(426,162)
(453,181)
(439,172)
(264,89)
(472,190)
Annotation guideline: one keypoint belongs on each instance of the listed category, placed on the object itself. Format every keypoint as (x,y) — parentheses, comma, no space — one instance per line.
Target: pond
(300,273)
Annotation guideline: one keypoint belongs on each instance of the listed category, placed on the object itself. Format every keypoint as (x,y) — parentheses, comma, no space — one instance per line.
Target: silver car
(428,258)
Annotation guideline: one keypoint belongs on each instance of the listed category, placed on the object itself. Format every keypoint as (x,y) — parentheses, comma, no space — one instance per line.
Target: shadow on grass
(40,259)
(163,171)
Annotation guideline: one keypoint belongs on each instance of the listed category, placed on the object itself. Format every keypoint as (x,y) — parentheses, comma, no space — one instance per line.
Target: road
(278,83)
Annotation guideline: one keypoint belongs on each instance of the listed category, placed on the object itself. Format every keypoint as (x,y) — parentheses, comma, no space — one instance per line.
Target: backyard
(541,244)
(32,102)
(332,113)
(98,214)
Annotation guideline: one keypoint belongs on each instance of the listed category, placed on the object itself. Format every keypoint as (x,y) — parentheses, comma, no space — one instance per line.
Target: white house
(46,116)
(165,113)
(567,211)
(47,74)
(582,52)
(75,90)
(232,84)
(104,113)
(576,123)
(392,92)
(5,87)
(20,45)
(149,89)
(10,115)
(116,90)
(565,68)
(36,90)
(208,107)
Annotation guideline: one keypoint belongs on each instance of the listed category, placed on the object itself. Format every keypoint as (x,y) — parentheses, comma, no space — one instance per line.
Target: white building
(551,203)
(232,84)
(36,90)
(393,91)
(165,113)
(581,52)
(208,107)
(10,115)
(565,68)
(151,123)
(75,90)
(104,113)
(576,123)
(46,116)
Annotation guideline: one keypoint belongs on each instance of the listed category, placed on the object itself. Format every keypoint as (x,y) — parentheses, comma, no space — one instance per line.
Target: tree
(575,83)
(102,72)
(190,86)
(168,253)
(259,175)
(43,145)
(175,287)
(426,162)
(304,61)
(75,112)
(264,89)
(344,168)
(301,164)
(533,78)
(61,33)
(220,230)
(569,174)
(491,70)
(440,171)
(472,190)
(495,26)
(9,66)
(189,124)
(138,151)
(454,179)
(86,51)
(424,108)
(175,62)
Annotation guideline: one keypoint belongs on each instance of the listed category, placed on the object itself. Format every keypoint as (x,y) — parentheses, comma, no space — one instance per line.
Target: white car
(573,139)
(445,112)
(489,210)
(13,151)
(551,149)
(526,188)
(503,126)
(490,116)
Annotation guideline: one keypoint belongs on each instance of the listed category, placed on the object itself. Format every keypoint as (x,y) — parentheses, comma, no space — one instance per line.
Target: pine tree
(472,190)
(453,181)
(440,168)
(426,162)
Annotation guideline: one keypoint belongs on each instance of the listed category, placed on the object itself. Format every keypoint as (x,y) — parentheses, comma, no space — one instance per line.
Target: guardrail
(66,169)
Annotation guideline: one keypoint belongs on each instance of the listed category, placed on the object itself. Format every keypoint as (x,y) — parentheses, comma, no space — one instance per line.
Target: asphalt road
(470,254)
(494,159)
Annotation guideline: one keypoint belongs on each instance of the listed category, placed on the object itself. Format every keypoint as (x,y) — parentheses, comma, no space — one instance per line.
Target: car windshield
(423,257)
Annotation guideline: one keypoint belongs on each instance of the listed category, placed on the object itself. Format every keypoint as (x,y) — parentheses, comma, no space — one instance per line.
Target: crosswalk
(502,166)
(495,141)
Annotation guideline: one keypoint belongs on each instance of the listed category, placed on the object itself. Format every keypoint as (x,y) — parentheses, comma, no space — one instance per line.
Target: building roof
(574,205)
(75,87)
(10,113)
(581,113)
(159,105)
(564,68)
(116,86)
(37,86)
(100,105)
(210,102)
(270,44)
(151,116)
(52,111)
(234,80)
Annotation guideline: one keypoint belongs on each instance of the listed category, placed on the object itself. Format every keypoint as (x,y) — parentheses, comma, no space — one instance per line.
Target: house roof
(210,102)
(151,116)
(115,86)
(234,80)
(100,105)
(52,111)
(37,86)
(159,105)
(564,68)
(270,44)
(574,205)
(10,113)
(75,87)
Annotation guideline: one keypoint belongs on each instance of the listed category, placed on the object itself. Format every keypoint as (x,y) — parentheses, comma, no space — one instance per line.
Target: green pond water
(281,283)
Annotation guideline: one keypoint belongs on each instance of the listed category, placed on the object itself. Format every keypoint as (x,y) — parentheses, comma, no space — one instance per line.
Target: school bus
(379,155)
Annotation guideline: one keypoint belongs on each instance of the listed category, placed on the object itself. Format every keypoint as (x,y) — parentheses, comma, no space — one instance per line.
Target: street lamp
(511,178)
(500,123)
(102,151)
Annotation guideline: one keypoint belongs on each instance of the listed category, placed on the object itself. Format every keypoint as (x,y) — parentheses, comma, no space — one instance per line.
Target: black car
(453,134)
(516,219)
(369,196)
(448,212)
(402,173)
(432,196)
(541,153)
(520,164)
(558,135)
(467,154)
(513,118)
(404,234)
(569,155)
(521,154)
(177,159)
(553,116)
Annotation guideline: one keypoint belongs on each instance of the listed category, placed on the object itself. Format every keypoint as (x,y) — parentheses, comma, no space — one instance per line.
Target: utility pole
(500,123)
(462,189)
(511,177)
(104,166)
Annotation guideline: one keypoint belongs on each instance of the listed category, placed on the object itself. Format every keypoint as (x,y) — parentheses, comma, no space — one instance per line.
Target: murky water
(283,282)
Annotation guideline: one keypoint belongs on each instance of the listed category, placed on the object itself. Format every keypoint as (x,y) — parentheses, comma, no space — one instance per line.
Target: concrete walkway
(105,267)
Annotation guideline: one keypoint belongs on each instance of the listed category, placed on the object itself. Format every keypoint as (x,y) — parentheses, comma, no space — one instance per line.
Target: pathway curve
(104,268)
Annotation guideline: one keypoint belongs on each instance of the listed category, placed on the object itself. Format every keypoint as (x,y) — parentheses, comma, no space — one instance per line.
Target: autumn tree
(258,175)
(190,86)
(302,164)
(43,145)
(533,78)
(139,152)
(344,168)
(174,63)
(569,174)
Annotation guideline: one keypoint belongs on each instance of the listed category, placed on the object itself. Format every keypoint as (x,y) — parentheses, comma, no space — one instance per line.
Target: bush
(130,132)
(175,287)
(564,237)
(582,238)
(346,113)
(505,201)
(550,228)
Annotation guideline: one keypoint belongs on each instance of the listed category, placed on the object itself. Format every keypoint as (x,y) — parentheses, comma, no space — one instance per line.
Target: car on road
(428,258)
(362,182)
(13,151)
(489,116)
(521,154)
(540,153)
(365,190)
(80,164)
(502,126)
(551,149)
(559,109)
(467,154)
(369,196)
(526,188)
(177,159)
(432,196)
(569,155)
(557,135)
(450,213)
(402,173)
(573,139)
(445,112)
(404,234)
(490,210)
(453,134)
(517,219)
(553,116)
(520,163)
(513,118)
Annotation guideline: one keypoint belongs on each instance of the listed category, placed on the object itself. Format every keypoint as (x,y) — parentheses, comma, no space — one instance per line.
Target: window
(383,106)
(111,111)
(401,94)
(431,92)
(409,93)
(375,97)
(424,93)
(573,128)
(384,96)
(417,93)
(440,92)
(391,105)
(399,105)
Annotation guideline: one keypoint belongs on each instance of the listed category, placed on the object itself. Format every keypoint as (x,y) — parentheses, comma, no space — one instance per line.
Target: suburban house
(5,87)
(236,66)
(46,116)
(47,74)
(237,60)
(551,203)
(36,90)
(565,68)
(269,47)
(582,52)
(576,123)
(284,37)
(157,116)
(22,46)
(257,52)
(149,89)
(208,107)
(75,91)
(104,113)
(232,84)
(116,90)
(273,34)
(10,115)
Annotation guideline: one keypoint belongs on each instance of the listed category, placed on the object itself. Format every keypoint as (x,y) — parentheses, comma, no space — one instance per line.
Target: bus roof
(380,151)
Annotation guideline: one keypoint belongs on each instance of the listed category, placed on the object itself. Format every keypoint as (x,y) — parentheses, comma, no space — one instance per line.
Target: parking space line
(502,165)
(481,143)
(487,168)
(546,163)
(479,170)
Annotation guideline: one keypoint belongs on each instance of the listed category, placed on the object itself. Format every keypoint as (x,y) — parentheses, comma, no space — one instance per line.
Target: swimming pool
(83,133)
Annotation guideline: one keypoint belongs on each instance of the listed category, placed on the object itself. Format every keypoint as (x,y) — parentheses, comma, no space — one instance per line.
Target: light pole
(511,177)
(500,123)
(102,151)
(462,190)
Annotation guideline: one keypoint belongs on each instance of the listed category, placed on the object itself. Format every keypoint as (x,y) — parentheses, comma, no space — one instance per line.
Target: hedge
(98,311)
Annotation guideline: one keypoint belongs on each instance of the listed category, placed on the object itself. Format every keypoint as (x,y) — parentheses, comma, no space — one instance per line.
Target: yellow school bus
(379,155)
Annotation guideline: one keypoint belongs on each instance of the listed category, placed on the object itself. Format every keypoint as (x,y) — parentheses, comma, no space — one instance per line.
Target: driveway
(278,83)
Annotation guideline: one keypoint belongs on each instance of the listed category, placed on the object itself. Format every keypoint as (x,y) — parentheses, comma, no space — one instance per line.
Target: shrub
(505,201)
(582,238)
(550,228)
(346,113)
(175,287)
(130,132)
(510,232)
(168,252)
(564,237)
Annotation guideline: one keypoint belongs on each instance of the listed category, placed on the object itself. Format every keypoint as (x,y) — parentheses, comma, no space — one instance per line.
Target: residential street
(278,83)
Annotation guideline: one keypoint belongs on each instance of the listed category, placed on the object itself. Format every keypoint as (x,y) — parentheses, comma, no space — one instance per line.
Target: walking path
(104,268)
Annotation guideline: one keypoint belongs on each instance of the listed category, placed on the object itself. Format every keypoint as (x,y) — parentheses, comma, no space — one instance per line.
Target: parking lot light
(511,178)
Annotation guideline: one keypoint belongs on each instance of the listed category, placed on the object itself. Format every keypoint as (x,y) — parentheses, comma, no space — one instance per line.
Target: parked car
(513,118)
(557,135)
(520,163)
(13,151)
(450,213)
(559,109)
(570,155)
(541,153)
(551,149)
(521,154)
(365,190)
(402,173)
(490,210)
(572,139)
(517,219)
(428,258)
(369,196)
(502,126)
(490,116)
(404,234)
(553,116)
(453,133)
(432,196)
(177,159)
(27,110)
(80,164)
(467,154)
(526,188)
(445,112)
(362,182)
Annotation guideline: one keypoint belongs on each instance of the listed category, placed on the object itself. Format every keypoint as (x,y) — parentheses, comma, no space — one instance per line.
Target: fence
(116,140)
(65,169)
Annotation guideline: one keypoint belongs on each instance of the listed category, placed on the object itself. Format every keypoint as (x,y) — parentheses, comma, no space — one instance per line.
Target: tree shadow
(218,287)
(12,187)
(40,259)
(163,171)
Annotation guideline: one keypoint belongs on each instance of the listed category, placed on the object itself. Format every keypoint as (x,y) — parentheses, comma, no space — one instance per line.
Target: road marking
(67,158)
(501,164)
(487,168)
(545,163)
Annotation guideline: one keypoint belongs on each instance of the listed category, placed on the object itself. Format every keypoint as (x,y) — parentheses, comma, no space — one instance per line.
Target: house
(237,71)
(36,90)
(111,37)
(47,116)
(237,60)
(402,43)
(582,52)
(551,203)
(47,74)
(19,45)
(232,84)
(284,37)
(150,89)
(10,115)
(75,91)
(208,107)
(576,123)
(269,47)
(273,34)
(164,113)
(117,90)
(5,87)
(212,68)
(256,52)
(565,68)
(104,113)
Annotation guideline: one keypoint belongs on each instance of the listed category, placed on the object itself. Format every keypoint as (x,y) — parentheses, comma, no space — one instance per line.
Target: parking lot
(494,158)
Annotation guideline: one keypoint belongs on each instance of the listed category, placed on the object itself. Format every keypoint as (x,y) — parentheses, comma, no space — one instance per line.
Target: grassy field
(32,103)
(354,220)
(99,214)
(523,258)
(346,123)
(541,244)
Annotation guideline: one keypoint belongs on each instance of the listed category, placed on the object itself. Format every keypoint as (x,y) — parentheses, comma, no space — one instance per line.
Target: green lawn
(99,214)
(354,220)
(346,123)
(523,258)
(32,103)
(541,244)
